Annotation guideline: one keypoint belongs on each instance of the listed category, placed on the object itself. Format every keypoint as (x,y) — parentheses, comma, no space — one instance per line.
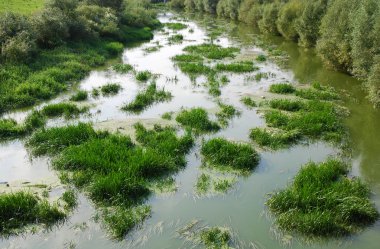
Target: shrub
(270,14)
(228,8)
(288,18)
(197,119)
(322,201)
(219,152)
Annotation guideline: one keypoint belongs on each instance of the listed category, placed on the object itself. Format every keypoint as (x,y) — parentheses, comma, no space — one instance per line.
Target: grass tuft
(175,25)
(282,88)
(274,139)
(122,68)
(323,202)
(248,102)
(226,113)
(215,237)
(147,98)
(143,76)
(197,119)
(67,110)
(187,58)
(237,67)
(212,51)
(110,89)
(79,96)
(221,153)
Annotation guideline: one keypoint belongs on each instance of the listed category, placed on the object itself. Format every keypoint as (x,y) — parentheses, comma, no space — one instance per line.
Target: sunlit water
(242,209)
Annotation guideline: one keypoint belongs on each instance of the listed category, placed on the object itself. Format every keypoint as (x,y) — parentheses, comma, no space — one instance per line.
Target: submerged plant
(226,113)
(215,237)
(322,201)
(197,119)
(221,153)
(147,98)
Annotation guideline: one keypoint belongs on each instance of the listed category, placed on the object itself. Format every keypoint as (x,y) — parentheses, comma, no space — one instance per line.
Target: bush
(51,27)
(288,18)
(270,14)
(228,8)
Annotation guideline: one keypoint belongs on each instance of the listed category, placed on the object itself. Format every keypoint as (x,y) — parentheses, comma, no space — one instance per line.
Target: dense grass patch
(274,139)
(215,237)
(20,209)
(221,153)
(237,67)
(226,113)
(122,68)
(248,102)
(175,25)
(323,201)
(194,68)
(113,170)
(21,6)
(178,38)
(110,89)
(79,96)
(143,76)
(197,119)
(212,51)
(54,140)
(147,98)
(282,88)
(187,58)
(316,94)
(67,110)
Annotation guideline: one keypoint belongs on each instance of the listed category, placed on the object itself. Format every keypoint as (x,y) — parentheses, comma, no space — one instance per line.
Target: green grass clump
(203,183)
(215,237)
(79,96)
(67,110)
(221,153)
(187,58)
(178,38)
(238,67)
(143,76)
(167,115)
(54,140)
(317,94)
(194,68)
(147,98)
(10,129)
(176,25)
(261,58)
(212,51)
(34,121)
(226,113)
(122,68)
(115,172)
(20,209)
(323,202)
(70,198)
(248,102)
(282,88)
(197,119)
(110,89)
(274,139)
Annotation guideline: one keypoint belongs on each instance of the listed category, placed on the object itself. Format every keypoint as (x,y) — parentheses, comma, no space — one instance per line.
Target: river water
(242,209)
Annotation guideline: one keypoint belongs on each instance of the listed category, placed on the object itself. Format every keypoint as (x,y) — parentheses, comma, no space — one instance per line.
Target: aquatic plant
(215,237)
(147,98)
(79,96)
(226,113)
(178,38)
(203,183)
(122,68)
(175,25)
(212,51)
(223,154)
(197,119)
(143,76)
(282,88)
(187,58)
(274,139)
(67,110)
(22,208)
(10,129)
(237,67)
(248,102)
(316,94)
(194,68)
(322,201)
(70,198)
(167,115)
(261,58)
(110,89)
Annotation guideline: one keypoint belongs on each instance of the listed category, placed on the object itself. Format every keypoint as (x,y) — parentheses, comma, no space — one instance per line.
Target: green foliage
(122,68)
(238,67)
(81,95)
(274,139)
(270,14)
(178,38)
(226,113)
(67,110)
(194,68)
(322,201)
(221,153)
(203,183)
(21,6)
(288,17)
(215,237)
(147,98)
(228,8)
(247,101)
(282,88)
(10,129)
(20,209)
(110,89)
(175,26)
(261,58)
(187,58)
(70,198)
(212,51)
(143,76)
(197,119)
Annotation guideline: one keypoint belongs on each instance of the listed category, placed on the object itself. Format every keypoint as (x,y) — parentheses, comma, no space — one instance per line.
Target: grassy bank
(45,53)
(344,33)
